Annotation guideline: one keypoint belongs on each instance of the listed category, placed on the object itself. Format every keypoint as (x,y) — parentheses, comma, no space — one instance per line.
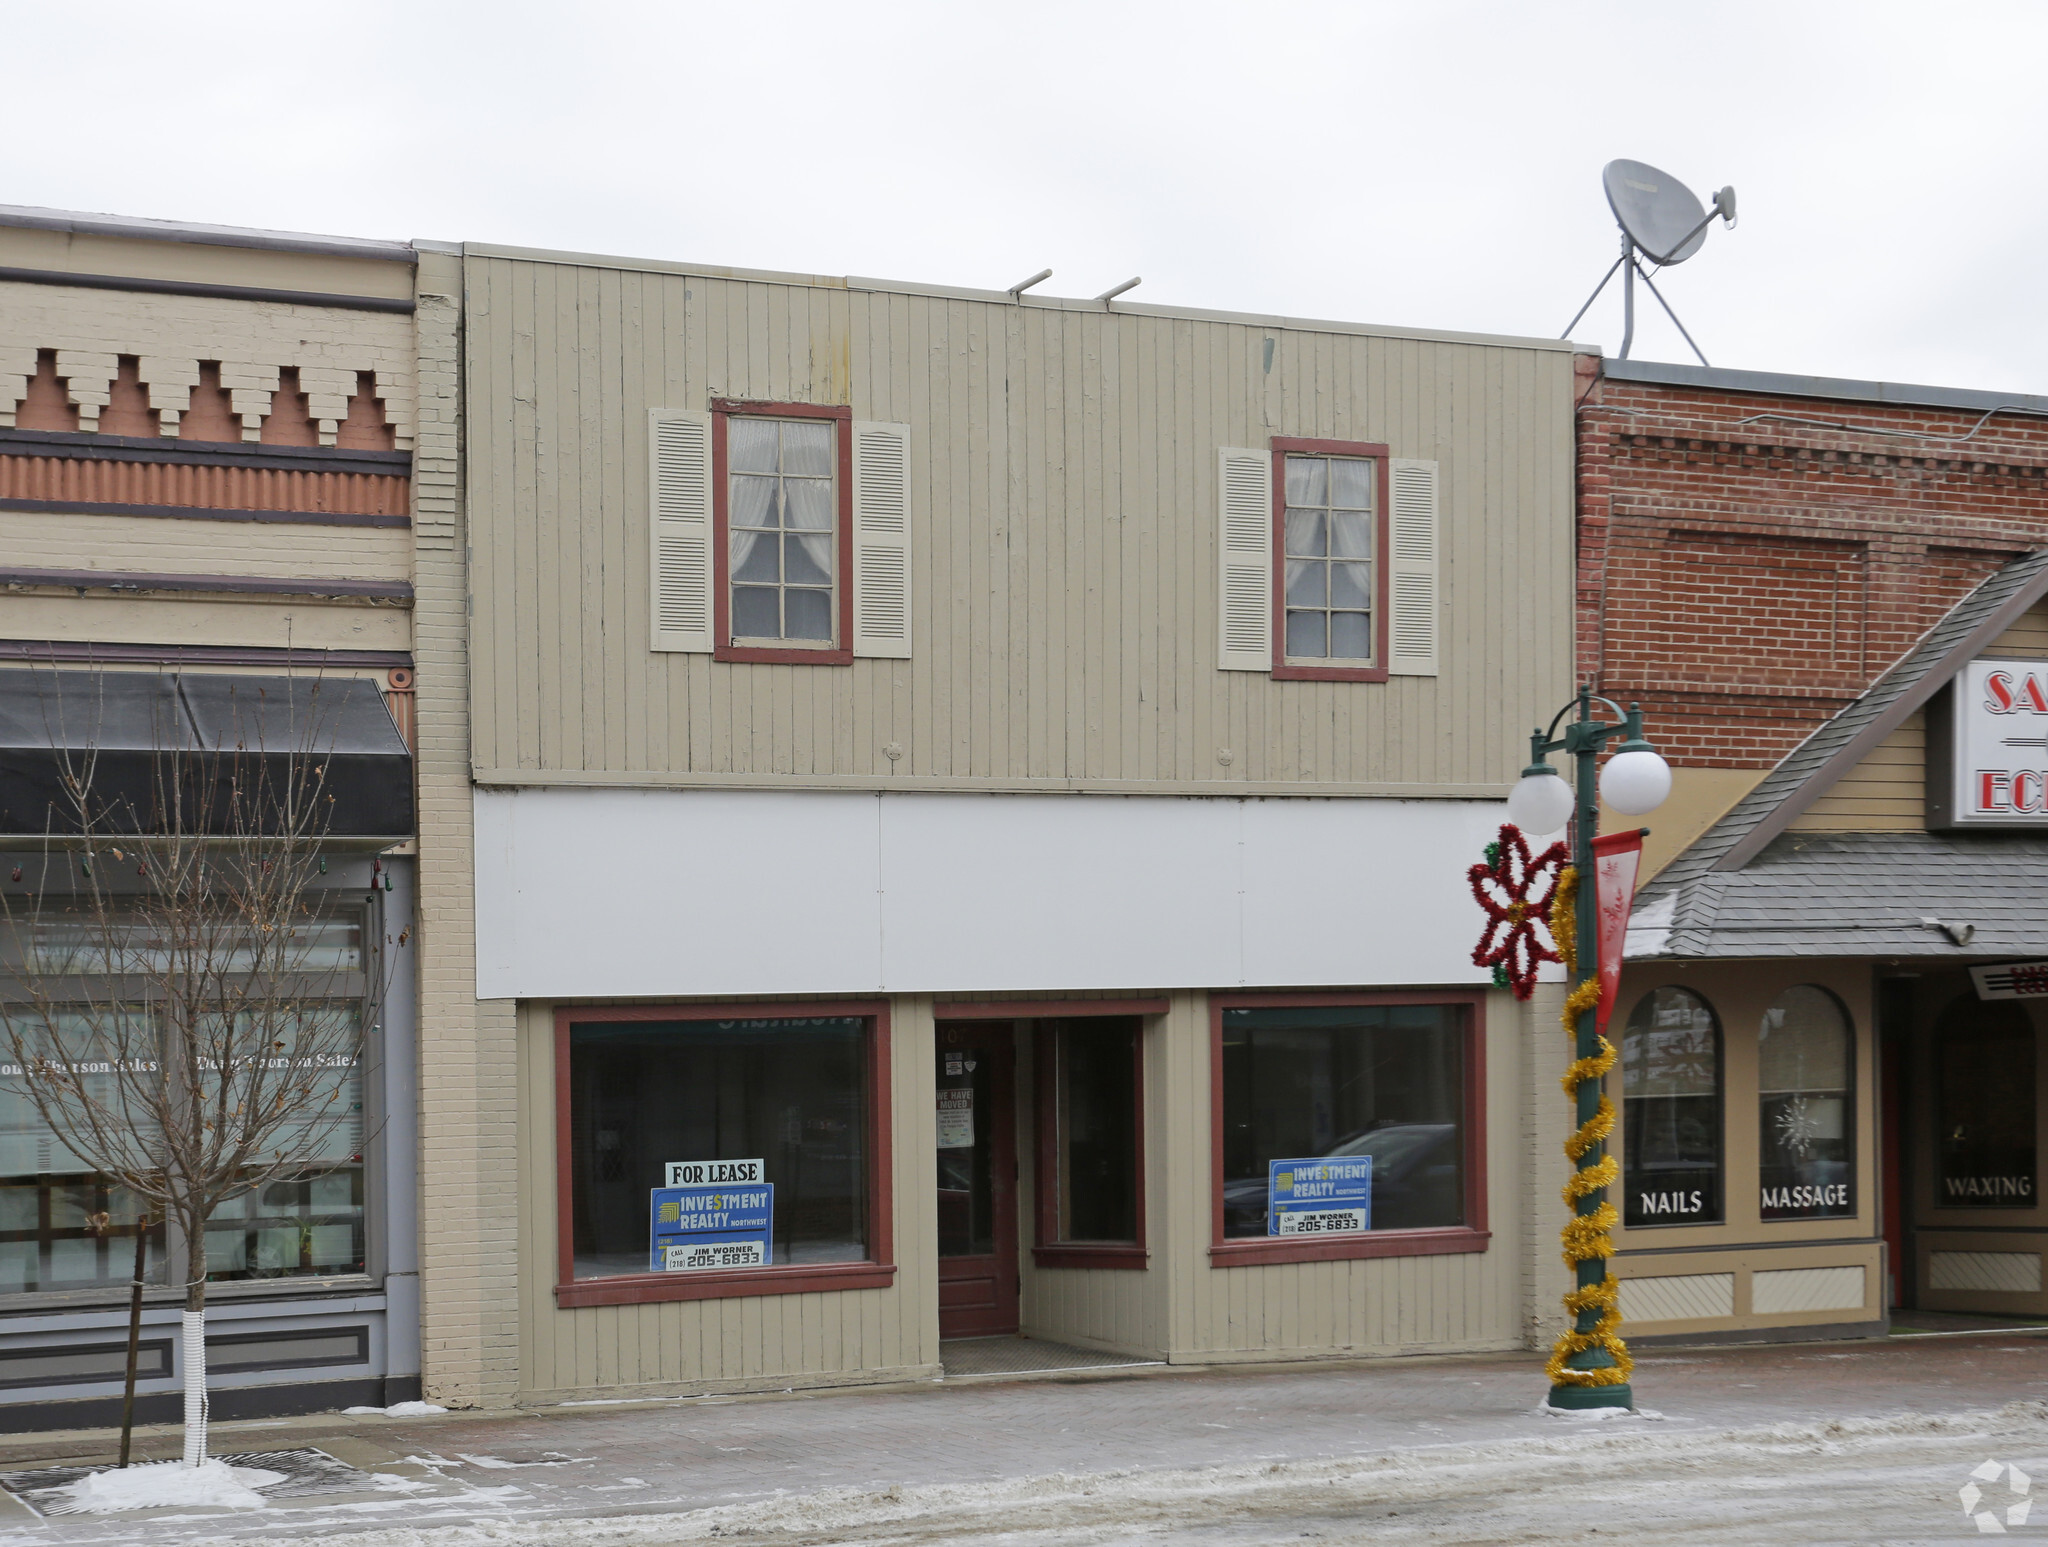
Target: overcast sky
(1431,165)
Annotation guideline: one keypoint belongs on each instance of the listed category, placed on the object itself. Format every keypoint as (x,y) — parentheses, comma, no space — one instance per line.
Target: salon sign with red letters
(2000,745)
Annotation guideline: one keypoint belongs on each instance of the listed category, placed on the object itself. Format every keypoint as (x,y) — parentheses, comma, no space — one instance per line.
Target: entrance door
(977,1179)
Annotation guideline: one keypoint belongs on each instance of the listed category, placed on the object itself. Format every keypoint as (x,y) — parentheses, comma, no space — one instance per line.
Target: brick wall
(1744,576)
(469,1140)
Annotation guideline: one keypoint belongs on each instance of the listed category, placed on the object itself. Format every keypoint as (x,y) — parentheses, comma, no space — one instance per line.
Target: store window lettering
(1662,1203)
(1981,1189)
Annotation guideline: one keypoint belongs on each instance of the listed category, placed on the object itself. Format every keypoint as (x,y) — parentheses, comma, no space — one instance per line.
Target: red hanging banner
(1616,858)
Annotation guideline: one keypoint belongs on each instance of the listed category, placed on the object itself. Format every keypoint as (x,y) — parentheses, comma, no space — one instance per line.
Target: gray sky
(1425,164)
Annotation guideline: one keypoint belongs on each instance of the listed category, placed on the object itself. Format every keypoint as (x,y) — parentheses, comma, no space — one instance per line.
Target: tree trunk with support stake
(134,1332)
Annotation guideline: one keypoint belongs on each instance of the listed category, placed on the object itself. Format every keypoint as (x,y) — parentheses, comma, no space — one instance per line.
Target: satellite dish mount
(1662,221)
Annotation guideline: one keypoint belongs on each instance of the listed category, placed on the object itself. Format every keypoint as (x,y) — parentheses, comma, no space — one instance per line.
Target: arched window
(1984,1092)
(1671,1111)
(1806,1107)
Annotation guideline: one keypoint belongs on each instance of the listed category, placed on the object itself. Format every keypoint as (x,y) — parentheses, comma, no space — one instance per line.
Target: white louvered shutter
(1245,553)
(881,539)
(1412,569)
(679,481)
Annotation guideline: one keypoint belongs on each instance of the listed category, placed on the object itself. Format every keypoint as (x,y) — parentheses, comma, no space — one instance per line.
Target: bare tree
(189,1015)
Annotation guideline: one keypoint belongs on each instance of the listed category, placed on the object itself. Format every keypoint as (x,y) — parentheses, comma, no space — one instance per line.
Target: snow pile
(155,1484)
(1597,1414)
(399,1410)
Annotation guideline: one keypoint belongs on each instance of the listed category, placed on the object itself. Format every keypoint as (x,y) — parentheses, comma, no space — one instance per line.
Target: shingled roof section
(1747,888)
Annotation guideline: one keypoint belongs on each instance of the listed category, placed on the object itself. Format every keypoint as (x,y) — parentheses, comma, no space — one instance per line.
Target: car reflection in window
(1415,1179)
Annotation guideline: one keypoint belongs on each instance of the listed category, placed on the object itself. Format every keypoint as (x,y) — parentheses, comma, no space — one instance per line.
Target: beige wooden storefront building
(931,674)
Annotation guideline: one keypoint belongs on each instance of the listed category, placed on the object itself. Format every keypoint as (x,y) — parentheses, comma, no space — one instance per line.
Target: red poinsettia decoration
(1516,892)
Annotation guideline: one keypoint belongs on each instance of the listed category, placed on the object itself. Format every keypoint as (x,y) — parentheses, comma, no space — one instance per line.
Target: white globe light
(1540,803)
(1635,783)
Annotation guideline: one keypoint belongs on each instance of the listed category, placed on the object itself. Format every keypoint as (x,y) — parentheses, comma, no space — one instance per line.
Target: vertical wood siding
(1063,492)
(683,1346)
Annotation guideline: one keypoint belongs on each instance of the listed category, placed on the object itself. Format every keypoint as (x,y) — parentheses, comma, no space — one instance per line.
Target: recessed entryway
(1022,1355)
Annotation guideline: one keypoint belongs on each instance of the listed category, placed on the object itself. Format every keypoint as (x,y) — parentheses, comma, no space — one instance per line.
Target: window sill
(648,1288)
(1091,1254)
(1287,672)
(775,655)
(1255,1252)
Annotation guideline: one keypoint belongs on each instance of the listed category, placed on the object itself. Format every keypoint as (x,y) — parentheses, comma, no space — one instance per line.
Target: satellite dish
(1655,210)
(1662,220)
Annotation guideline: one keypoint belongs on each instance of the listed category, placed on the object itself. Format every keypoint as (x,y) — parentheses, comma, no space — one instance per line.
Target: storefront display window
(1671,1111)
(304,1227)
(788,1092)
(1385,1081)
(1091,1161)
(1806,1108)
(1984,1082)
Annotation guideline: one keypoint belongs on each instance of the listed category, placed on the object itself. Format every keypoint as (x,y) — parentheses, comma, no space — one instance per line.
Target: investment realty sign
(713,1214)
(1323,1195)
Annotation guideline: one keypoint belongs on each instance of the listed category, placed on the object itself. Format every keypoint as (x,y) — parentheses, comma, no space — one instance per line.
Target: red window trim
(1047,1249)
(722,647)
(878,1272)
(1377,672)
(1472,1236)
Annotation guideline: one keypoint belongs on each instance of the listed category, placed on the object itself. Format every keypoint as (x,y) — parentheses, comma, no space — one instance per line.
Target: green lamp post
(1634,782)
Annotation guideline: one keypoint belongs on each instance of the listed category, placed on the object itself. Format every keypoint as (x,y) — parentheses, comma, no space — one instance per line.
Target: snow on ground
(156,1484)
(398,1410)
(1897,1479)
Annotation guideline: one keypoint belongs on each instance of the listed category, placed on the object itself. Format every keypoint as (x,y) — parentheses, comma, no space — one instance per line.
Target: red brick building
(1755,550)
(1832,1028)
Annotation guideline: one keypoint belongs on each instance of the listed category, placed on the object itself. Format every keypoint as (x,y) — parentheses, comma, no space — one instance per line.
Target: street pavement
(1851,1442)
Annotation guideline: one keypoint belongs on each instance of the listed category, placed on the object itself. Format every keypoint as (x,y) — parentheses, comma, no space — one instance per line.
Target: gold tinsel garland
(1586,1236)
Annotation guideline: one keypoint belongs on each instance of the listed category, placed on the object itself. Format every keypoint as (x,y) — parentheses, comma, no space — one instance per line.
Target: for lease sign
(2001,744)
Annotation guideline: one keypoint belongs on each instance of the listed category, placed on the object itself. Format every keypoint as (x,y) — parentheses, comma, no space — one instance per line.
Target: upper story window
(782,514)
(1306,556)
(1330,552)
(782,486)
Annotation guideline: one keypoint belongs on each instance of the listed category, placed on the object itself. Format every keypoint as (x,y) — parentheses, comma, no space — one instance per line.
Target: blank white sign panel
(591,893)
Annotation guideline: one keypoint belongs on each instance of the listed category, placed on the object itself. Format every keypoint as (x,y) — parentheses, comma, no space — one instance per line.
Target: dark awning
(130,735)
